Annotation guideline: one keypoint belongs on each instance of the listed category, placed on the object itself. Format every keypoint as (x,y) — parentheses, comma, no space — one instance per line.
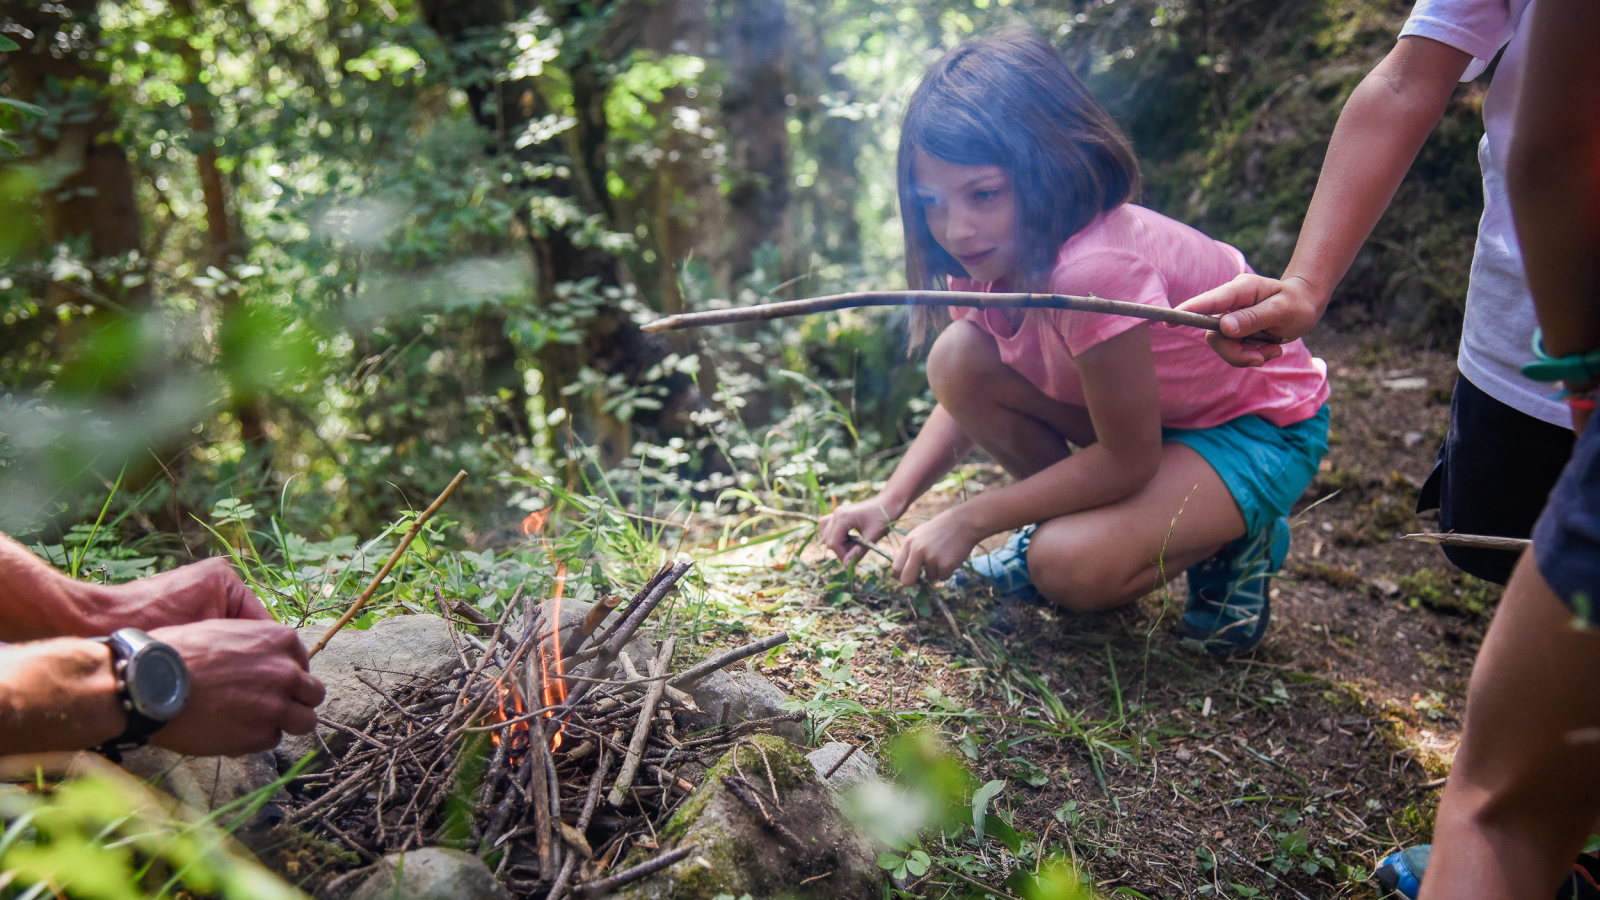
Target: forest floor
(1160,771)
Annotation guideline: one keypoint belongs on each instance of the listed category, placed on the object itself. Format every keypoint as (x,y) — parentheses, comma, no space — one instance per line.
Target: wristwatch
(152,687)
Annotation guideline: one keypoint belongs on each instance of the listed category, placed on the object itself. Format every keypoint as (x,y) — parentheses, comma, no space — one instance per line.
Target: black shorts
(1495,472)
(1566,541)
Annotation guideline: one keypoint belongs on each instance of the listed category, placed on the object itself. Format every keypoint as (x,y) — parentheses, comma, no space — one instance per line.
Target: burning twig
(416,526)
(783,309)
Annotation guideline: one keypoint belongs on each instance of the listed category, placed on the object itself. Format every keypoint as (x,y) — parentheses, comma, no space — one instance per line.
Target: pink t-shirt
(1140,256)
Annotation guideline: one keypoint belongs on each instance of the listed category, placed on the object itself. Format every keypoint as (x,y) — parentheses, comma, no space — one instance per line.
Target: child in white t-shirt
(1508,437)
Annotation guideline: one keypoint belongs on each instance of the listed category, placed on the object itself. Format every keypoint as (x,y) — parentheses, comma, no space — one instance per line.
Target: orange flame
(555,688)
(519,730)
(550,666)
(534,523)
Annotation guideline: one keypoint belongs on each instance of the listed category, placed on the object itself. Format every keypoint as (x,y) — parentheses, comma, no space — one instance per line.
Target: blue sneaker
(1229,604)
(1005,570)
(1400,874)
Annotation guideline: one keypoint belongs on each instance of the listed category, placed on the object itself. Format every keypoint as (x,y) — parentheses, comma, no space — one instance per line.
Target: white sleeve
(1478,27)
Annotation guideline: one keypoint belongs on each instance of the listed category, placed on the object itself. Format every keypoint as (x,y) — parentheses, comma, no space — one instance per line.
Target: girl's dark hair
(1009,100)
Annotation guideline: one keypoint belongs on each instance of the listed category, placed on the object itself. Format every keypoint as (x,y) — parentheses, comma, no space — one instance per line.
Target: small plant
(913,863)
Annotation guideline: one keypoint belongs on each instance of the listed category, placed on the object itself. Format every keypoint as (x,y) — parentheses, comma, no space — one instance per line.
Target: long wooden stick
(394,557)
(785,308)
(1479,541)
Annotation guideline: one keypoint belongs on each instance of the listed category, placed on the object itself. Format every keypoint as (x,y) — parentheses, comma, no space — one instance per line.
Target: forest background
(318,256)
(272,272)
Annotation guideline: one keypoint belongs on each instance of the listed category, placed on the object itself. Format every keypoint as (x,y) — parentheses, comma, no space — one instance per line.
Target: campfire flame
(551,671)
(518,730)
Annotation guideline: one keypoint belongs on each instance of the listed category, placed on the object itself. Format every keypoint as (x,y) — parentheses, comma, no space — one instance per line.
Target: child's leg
(1103,558)
(1014,422)
(1524,790)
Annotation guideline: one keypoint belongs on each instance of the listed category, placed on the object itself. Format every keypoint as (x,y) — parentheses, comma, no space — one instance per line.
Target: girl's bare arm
(935,451)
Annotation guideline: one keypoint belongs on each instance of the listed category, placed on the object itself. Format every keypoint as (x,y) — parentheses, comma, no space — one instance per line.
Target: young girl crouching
(1012,178)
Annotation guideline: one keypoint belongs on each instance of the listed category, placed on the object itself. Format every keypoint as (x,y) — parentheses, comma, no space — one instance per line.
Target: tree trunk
(755,105)
(93,203)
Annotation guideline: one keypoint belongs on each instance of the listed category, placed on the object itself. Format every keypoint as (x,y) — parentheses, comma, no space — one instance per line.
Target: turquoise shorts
(1266,468)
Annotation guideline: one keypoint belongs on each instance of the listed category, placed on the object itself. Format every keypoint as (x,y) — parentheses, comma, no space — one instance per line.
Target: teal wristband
(1579,367)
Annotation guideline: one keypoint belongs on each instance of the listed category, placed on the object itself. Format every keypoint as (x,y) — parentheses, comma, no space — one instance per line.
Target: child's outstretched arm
(1119,386)
(937,448)
(1383,126)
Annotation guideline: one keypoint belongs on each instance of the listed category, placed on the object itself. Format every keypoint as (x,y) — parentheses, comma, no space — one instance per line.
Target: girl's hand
(870,518)
(936,548)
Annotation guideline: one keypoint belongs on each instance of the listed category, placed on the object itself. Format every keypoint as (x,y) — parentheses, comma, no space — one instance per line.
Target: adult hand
(249,683)
(209,589)
(870,518)
(1249,304)
(936,548)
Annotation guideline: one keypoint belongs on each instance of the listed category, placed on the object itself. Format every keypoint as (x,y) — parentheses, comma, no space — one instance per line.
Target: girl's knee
(963,355)
(1074,574)
(1080,574)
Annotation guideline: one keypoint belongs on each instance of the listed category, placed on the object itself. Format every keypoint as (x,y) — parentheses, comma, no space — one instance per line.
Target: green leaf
(917,863)
(887,860)
(1002,831)
(980,804)
(7,44)
(1295,843)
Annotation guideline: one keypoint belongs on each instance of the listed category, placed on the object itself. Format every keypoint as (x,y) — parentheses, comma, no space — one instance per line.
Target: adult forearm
(57,695)
(36,601)
(1380,131)
(937,448)
(1094,476)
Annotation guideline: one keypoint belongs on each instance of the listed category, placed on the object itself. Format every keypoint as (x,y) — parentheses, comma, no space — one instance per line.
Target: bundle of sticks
(538,754)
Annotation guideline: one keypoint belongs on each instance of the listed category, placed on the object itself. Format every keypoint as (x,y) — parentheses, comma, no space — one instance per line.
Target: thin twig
(628,876)
(416,526)
(624,630)
(840,764)
(641,731)
(690,676)
(1478,541)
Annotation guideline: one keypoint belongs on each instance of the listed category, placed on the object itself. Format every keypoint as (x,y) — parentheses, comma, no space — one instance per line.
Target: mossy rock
(738,854)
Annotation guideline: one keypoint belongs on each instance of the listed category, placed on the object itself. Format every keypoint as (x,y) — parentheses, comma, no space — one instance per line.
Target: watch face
(158,682)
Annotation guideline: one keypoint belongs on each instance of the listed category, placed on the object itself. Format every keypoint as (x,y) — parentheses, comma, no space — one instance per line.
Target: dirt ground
(1162,772)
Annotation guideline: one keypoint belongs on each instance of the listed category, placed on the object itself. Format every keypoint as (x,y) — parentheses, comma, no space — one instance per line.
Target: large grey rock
(391,653)
(736,694)
(859,769)
(432,873)
(209,783)
(737,854)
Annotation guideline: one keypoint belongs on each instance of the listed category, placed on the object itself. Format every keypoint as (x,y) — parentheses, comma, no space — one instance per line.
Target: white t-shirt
(1498,332)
